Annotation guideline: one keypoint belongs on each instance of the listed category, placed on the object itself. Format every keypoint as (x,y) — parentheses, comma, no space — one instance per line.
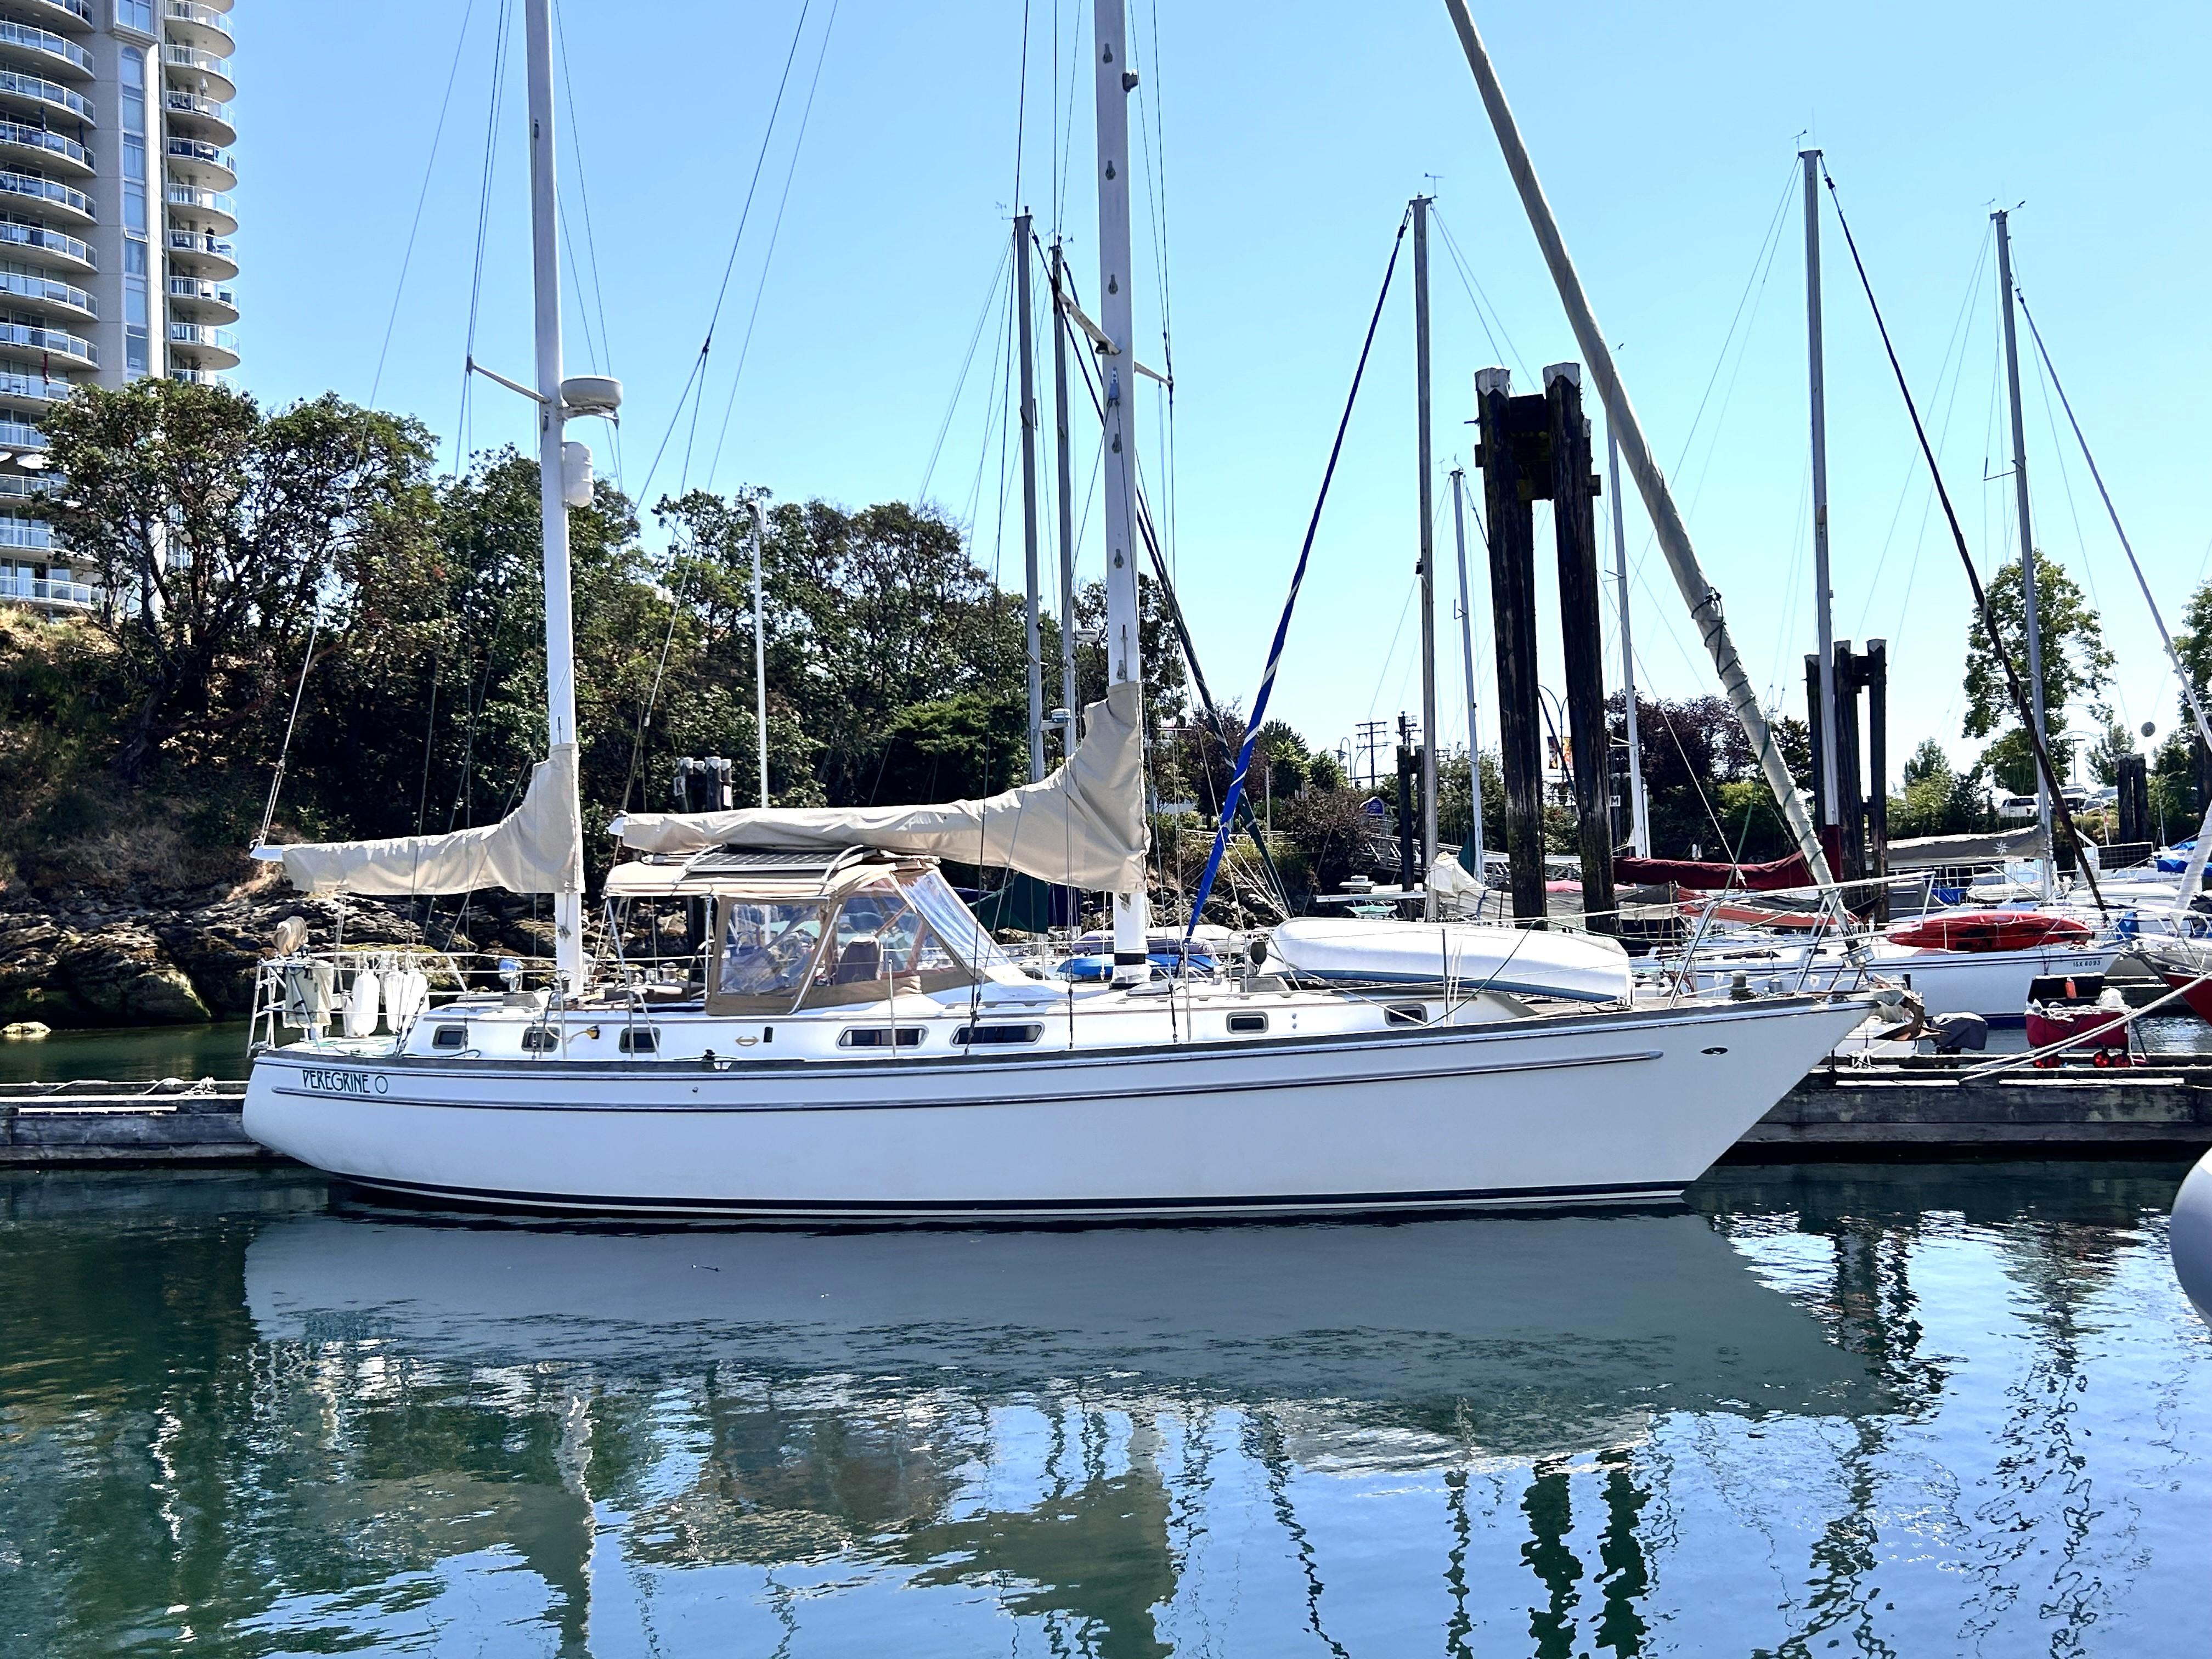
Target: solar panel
(782,863)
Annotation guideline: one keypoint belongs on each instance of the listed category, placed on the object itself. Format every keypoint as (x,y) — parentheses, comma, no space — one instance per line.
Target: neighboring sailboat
(860,1048)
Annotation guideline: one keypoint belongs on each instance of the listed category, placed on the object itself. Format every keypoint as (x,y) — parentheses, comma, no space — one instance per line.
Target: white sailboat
(860,1049)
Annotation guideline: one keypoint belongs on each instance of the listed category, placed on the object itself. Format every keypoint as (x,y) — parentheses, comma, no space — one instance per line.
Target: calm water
(135,1054)
(1910,1410)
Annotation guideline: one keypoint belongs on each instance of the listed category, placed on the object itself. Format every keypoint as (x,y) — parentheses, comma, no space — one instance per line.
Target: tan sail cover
(1083,826)
(535,848)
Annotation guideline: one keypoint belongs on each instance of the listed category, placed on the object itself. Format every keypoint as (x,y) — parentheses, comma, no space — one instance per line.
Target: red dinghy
(1990,930)
(2076,1010)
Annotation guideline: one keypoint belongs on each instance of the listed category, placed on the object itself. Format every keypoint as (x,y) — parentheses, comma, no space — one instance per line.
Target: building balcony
(41,586)
(71,205)
(30,487)
(27,386)
(46,147)
(194,300)
(196,25)
(61,14)
(72,302)
(199,254)
(42,94)
(200,210)
(17,436)
(50,243)
(201,72)
(196,376)
(51,341)
(16,531)
(206,347)
(47,50)
(196,161)
(196,117)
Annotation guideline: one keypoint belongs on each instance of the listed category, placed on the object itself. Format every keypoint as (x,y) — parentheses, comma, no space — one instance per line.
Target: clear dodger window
(767,948)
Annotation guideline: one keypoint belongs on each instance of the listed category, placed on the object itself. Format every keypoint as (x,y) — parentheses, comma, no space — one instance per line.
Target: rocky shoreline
(79,956)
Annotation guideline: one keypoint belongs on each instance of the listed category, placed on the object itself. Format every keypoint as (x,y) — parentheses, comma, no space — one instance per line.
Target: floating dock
(54,1125)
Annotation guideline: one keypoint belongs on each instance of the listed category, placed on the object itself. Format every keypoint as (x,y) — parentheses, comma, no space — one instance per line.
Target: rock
(24,1030)
(122,976)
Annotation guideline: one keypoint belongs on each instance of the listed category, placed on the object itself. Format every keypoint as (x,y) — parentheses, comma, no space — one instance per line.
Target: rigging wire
(1484,310)
(696,378)
(499,56)
(1259,715)
(767,259)
(2188,686)
(1974,580)
(605,351)
(960,383)
(407,259)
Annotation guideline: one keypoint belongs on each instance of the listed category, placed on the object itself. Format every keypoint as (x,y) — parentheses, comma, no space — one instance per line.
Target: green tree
(2076,665)
(215,528)
(2107,752)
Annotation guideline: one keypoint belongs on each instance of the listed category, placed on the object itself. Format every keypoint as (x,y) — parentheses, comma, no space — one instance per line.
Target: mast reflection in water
(1918,1410)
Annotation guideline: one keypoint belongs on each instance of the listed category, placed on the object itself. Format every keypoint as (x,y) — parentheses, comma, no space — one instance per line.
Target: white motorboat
(860,1051)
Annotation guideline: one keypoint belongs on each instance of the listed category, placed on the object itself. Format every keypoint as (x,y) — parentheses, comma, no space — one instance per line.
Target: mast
(1471,854)
(1033,632)
(1428,551)
(1124,658)
(1639,832)
(553,511)
(1700,596)
(1825,782)
(1067,503)
(760,649)
(2026,535)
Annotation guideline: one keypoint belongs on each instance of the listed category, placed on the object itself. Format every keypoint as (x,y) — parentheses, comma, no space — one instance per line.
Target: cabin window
(1405,1013)
(540,1039)
(767,948)
(987,1036)
(1247,1024)
(879,1036)
(450,1036)
(641,1041)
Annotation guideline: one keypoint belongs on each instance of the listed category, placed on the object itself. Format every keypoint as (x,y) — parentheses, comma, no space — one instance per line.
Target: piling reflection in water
(1917,1409)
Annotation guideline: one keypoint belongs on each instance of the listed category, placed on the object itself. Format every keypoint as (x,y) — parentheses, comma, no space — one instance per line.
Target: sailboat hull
(1581,1109)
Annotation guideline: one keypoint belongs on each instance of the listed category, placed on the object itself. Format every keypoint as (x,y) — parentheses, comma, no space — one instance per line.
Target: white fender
(361,1005)
(406,993)
(2190,1237)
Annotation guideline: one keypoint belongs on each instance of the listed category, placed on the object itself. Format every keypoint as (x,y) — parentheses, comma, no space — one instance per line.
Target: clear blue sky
(1281,154)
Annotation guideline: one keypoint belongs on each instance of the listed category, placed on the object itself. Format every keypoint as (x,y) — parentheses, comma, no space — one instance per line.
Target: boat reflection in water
(1919,1409)
(1041,1415)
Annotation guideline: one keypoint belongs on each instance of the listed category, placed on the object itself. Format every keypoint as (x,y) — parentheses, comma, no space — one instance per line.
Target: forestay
(531,850)
(1083,826)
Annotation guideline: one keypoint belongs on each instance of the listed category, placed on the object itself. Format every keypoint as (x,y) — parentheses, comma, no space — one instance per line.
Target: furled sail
(533,850)
(1083,826)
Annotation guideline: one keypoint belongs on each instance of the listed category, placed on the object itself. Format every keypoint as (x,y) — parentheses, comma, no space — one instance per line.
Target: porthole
(879,1036)
(987,1036)
(1247,1024)
(1405,1013)
(450,1036)
(640,1041)
(540,1039)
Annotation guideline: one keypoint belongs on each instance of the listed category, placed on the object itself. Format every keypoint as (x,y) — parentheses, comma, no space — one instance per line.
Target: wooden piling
(1582,636)
(1507,497)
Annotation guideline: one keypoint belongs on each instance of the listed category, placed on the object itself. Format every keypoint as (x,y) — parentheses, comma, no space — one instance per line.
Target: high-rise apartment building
(115,225)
